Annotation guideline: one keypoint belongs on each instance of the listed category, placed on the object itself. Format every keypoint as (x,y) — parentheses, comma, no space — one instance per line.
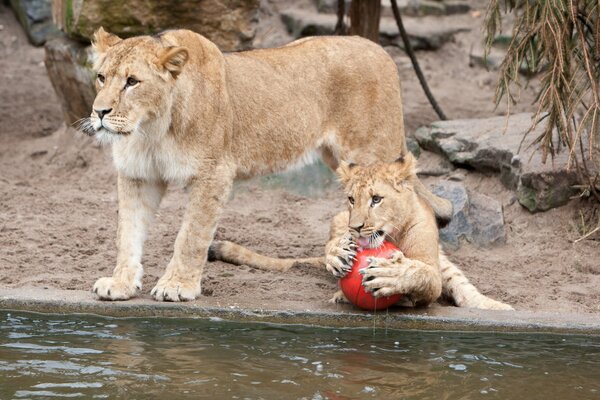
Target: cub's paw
(176,289)
(340,256)
(338,297)
(112,289)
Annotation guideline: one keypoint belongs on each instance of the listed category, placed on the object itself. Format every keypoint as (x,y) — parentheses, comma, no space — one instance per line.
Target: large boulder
(497,145)
(231,24)
(69,67)
(36,18)
(477,218)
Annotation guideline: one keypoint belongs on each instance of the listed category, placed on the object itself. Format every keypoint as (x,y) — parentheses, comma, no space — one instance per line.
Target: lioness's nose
(101,113)
(357,228)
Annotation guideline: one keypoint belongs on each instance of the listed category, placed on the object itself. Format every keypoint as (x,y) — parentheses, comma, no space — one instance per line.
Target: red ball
(351,284)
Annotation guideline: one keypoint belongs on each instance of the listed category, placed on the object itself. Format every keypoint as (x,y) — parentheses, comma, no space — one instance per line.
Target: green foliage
(559,39)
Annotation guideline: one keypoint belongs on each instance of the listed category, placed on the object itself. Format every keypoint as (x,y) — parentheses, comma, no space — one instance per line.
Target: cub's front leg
(421,281)
(138,201)
(183,275)
(340,250)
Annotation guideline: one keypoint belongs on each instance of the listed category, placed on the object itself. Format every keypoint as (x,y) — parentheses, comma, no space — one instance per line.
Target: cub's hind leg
(457,287)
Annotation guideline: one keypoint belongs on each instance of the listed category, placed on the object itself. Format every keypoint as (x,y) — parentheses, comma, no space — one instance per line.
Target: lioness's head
(133,82)
(382,198)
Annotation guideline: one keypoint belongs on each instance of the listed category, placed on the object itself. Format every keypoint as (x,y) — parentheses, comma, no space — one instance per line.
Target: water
(46,356)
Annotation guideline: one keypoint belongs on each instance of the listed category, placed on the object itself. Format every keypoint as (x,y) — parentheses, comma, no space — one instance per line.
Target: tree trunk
(364,19)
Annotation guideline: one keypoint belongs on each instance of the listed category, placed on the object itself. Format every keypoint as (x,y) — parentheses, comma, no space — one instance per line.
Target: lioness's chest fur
(141,158)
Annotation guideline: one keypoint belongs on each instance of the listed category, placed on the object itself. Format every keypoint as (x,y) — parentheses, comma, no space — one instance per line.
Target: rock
(433,164)
(300,23)
(70,71)
(36,18)
(459,227)
(493,145)
(410,8)
(423,34)
(413,146)
(477,218)
(231,24)
(426,33)
(487,220)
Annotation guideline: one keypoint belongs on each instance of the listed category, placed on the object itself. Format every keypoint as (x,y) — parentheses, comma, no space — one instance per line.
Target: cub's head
(382,198)
(133,82)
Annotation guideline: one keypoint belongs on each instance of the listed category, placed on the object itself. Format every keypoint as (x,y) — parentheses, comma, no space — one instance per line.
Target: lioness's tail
(456,286)
(239,255)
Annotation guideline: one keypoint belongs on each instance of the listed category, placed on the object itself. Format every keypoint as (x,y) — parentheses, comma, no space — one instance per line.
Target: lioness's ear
(173,59)
(104,40)
(344,171)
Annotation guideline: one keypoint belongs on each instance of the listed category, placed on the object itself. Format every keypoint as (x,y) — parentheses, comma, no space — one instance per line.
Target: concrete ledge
(434,318)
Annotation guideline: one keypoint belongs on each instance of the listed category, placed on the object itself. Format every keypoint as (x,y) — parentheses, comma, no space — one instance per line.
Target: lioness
(384,204)
(176,109)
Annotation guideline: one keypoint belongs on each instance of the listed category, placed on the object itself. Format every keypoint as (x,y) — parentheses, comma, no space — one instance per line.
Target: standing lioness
(178,110)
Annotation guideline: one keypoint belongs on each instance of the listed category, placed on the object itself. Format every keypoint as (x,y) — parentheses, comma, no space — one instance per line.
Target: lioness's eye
(376,200)
(101,78)
(131,81)
(351,199)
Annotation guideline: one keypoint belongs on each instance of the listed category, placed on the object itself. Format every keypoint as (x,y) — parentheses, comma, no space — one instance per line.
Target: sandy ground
(58,203)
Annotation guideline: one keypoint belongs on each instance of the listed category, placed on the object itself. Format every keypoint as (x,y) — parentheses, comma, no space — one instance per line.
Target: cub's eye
(100,78)
(131,81)
(351,200)
(376,200)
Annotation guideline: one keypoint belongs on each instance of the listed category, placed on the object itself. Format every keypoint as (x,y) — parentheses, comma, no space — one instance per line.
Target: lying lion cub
(177,110)
(383,205)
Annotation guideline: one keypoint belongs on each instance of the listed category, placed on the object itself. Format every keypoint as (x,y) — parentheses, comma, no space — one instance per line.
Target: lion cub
(383,204)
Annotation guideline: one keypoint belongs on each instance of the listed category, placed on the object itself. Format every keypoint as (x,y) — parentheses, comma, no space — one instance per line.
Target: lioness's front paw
(174,289)
(491,304)
(112,289)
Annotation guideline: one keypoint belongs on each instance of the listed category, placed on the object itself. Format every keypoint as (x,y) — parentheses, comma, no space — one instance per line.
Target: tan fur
(176,109)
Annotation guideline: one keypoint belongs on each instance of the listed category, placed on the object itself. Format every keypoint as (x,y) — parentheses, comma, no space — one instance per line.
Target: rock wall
(496,145)
(231,24)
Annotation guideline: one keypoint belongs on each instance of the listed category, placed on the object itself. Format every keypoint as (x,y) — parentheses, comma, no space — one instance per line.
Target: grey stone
(230,24)
(411,8)
(459,227)
(69,67)
(477,218)
(487,219)
(413,146)
(433,164)
(423,36)
(36,18)
(497,145)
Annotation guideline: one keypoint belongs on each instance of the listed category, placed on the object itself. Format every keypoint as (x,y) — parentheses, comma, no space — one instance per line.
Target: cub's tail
(240,255)
(457,287)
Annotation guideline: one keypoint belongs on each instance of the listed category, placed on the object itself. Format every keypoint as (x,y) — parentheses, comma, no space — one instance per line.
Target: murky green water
(81,356)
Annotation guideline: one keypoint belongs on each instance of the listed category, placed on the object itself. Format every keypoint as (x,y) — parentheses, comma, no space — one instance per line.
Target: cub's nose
(357,228)
(102,112)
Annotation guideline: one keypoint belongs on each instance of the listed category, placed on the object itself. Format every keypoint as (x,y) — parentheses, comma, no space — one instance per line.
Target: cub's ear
(404,168)
(104,40)
(344,171)
(173,59)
